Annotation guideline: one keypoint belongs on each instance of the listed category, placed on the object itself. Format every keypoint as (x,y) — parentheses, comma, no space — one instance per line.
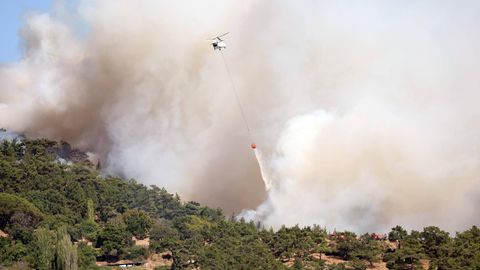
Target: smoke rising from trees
(365,114)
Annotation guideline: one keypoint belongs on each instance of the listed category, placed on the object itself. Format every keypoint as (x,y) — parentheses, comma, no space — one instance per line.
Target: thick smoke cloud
(365,115)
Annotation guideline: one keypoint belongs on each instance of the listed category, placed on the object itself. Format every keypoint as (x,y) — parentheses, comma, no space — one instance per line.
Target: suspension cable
(237,98)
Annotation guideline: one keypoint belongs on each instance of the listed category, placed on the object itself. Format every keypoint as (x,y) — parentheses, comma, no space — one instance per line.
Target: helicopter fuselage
(219,45)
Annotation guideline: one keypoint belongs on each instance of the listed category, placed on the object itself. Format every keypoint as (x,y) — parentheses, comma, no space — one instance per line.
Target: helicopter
(218,43)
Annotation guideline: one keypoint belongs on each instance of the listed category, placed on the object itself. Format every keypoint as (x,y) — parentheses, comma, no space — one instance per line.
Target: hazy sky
(11,13)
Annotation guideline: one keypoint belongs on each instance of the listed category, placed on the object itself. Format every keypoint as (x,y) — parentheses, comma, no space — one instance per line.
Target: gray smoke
(365,114)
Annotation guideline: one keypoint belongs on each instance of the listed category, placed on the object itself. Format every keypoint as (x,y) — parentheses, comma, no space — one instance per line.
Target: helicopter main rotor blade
(223,34)
(219,37)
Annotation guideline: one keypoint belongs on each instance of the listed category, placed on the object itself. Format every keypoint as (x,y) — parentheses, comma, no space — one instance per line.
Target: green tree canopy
(138,222)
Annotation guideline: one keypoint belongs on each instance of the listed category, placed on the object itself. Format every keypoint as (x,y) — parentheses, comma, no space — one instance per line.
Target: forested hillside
(58,212)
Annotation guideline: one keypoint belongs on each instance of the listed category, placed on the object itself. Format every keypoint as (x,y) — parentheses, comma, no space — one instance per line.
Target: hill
(57,211)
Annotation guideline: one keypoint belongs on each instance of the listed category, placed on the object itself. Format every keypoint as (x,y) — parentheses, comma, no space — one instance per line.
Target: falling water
(266,180)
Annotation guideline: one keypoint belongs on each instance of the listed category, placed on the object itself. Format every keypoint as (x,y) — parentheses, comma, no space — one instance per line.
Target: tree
(434,242)
(90,211)
(319,237)
(464,251)
(21,226)
(7,149)
(292,242)
(11,252)
(66,252)
(42,249)
(86,257)
(229,248)
(113,238)
(24,212)
(88,229)
(408,256)
(138,222)
(163,236)
(398,233)
(368,249)
(323,248)
(346,244)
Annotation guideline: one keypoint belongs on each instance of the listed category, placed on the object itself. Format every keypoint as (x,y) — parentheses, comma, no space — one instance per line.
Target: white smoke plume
(365,114)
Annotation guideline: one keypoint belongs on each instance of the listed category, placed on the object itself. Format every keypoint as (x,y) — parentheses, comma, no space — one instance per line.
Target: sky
(11,13)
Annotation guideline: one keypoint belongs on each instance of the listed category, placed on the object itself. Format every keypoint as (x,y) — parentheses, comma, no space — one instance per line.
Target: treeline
(60,213)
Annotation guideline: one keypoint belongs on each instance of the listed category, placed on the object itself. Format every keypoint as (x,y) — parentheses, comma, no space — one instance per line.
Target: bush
(134,253)
(359,265)
(11,252)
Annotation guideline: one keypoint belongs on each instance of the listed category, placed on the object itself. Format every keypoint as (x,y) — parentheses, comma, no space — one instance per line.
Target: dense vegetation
(53,202)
